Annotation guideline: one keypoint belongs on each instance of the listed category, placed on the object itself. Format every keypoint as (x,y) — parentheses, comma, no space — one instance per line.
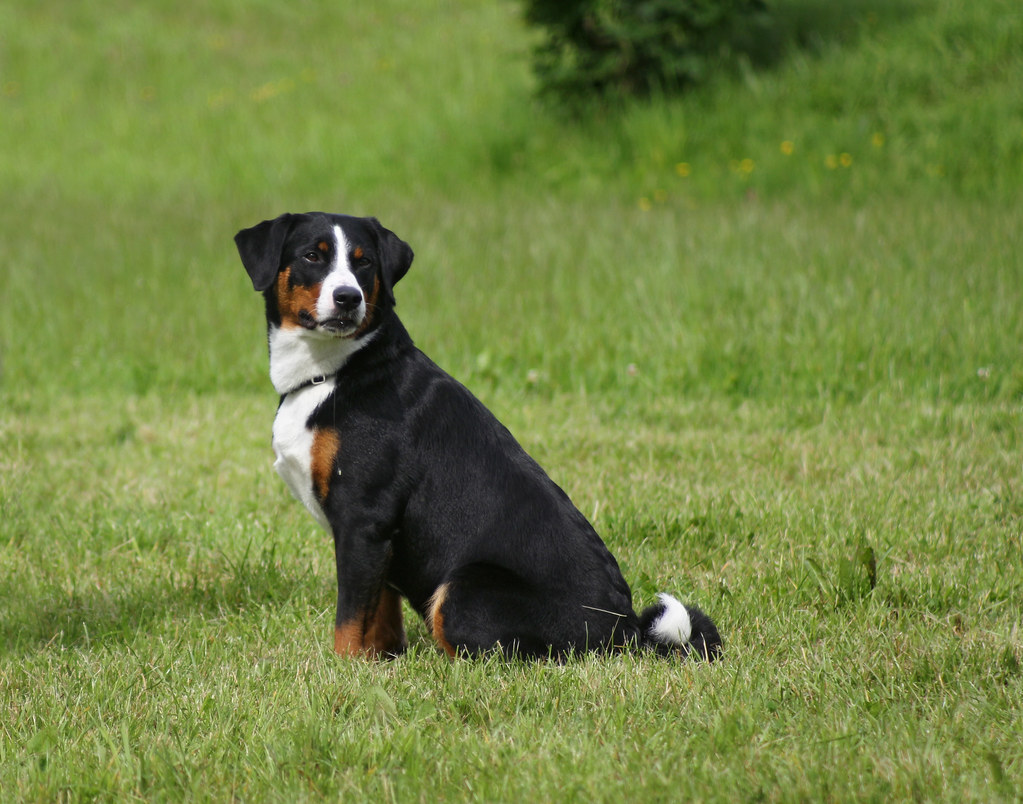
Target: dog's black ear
(260,249)
(396,257)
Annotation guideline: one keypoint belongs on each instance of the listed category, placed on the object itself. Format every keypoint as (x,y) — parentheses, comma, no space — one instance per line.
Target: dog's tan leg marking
(373,633)
(385,631)
(435,619)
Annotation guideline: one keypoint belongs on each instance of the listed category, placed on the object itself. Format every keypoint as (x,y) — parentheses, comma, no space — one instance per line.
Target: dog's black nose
(347,298)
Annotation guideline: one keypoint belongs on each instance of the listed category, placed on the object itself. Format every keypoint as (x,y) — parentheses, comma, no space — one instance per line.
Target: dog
(427,495)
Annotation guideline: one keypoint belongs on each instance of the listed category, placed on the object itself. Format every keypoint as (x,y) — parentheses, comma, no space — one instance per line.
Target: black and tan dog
(426,494)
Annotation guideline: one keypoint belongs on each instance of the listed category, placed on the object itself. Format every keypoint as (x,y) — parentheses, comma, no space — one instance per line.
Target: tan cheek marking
(326,445)
(371,306)
(283,300)
(292,300)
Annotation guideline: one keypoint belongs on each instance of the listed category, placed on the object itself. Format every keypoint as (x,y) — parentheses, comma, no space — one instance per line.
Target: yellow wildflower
(272,89)
(787,147)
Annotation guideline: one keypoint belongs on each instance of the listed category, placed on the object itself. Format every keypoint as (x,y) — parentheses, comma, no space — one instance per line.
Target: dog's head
(328,275)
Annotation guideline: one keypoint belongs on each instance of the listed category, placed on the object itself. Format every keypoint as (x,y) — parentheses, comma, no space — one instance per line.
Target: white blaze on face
(298,354)
(340,276)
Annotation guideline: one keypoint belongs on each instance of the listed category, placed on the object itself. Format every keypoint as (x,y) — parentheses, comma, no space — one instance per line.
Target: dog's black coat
(429,495)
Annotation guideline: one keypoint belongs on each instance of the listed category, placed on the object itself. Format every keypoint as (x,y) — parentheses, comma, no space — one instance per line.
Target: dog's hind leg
(482,608)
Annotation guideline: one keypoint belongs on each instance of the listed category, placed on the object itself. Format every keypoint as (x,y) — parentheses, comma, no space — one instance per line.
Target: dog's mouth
(339,326)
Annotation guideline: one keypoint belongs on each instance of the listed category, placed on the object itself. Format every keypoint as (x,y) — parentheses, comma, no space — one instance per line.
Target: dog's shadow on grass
(56,619)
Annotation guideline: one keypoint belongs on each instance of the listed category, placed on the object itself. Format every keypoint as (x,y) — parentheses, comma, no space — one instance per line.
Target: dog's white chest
(293,444)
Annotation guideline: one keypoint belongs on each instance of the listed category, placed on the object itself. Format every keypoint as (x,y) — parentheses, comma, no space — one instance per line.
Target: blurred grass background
(842,223)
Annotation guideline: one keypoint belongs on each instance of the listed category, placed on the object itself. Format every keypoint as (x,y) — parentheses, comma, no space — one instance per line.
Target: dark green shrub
(638,46)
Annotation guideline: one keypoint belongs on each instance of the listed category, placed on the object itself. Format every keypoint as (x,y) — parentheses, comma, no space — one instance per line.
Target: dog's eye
(363,262)
(312,256)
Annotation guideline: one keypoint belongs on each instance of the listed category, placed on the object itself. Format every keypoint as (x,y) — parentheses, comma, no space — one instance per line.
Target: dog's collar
(319,379)
(297,361)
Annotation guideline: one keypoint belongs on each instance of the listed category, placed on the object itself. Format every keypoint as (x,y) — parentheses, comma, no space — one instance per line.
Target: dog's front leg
(375,631)
(369,619)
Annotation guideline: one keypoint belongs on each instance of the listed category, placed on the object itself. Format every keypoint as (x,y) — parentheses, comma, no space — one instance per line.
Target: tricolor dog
(427,496)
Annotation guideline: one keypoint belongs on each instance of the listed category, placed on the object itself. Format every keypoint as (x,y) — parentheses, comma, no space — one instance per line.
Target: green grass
(767,336)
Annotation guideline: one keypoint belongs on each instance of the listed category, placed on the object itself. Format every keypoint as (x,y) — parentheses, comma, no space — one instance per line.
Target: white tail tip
(672,626)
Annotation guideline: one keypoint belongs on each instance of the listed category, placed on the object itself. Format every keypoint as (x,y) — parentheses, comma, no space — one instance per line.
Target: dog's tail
(670,626)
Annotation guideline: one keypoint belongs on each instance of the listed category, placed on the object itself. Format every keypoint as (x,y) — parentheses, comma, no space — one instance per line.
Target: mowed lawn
(767,336)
